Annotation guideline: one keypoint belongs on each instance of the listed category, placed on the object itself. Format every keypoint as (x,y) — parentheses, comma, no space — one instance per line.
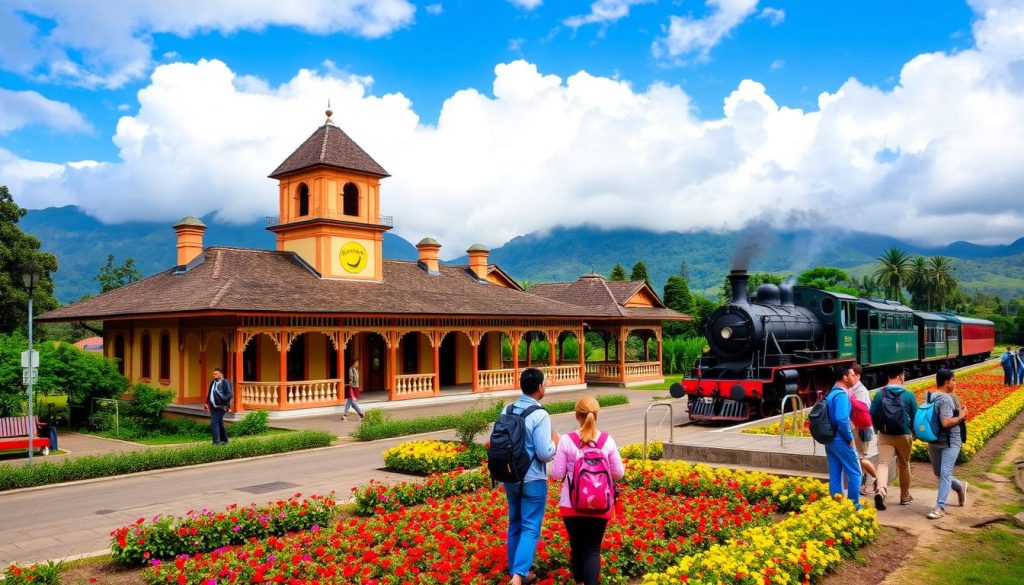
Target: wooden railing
(640,370)
(298,394)
(562,374)
(503,379)
(414,385)
(611,371)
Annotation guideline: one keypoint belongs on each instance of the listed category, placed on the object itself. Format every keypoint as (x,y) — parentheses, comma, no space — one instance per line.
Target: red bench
(14,432)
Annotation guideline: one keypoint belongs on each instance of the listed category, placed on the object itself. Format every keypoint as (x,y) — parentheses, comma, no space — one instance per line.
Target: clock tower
(330,206)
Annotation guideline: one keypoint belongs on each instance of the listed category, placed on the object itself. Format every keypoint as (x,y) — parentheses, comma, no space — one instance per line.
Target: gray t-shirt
(944,403)
(353,377)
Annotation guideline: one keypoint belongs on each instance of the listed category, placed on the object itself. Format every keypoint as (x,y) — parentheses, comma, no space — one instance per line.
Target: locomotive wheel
(768,408)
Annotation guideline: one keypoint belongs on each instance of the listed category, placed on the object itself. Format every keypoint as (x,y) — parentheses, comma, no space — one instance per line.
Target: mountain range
(82,243)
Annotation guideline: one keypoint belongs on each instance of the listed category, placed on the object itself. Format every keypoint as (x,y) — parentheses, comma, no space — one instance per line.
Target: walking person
(893,411)
(586,526)
(217,403)
(352,392)
(840,452)
(860,408)
(943,453)
(1020,366)
(1007,361)
(527,498)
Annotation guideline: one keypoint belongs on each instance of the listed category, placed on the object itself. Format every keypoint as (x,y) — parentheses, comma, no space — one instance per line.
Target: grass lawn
(985,557)
(669,380)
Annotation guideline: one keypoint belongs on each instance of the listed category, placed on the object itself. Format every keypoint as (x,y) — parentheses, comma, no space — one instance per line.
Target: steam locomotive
(786,340)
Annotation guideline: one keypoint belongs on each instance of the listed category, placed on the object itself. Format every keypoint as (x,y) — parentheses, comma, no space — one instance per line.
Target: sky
(498,118)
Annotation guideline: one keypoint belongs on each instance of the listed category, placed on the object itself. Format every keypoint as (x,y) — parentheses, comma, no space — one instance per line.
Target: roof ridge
(220,293)
(618,307)
(323,145)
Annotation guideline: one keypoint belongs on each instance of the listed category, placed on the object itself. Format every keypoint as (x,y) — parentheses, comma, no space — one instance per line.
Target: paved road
(58,522)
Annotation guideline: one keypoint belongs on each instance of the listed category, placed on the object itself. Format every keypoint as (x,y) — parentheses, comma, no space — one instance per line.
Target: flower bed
(164,537)
(431,456)
(801,548)
(38,574)
(655,450)
(378,498)
(990,405)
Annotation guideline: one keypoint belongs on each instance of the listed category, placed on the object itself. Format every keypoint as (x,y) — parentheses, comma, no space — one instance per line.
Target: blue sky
(73,82)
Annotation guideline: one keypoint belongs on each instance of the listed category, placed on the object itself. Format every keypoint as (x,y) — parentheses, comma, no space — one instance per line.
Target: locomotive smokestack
(786,294)
(738,281)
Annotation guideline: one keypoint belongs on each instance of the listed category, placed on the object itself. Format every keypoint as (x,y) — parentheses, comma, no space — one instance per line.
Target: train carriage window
(874,321)
(862,319)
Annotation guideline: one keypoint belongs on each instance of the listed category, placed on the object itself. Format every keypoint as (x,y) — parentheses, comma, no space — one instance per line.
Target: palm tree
(919,285)
(867,285)
(893,272)
(944,282)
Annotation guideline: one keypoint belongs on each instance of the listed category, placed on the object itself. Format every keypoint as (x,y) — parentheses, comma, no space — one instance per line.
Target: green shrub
(473,422)
(147,405)
(38,574)
(563,406)
(161,458)
(254,423)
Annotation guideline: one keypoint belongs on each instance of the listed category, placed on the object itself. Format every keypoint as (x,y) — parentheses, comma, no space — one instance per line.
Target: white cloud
(434,9)
(774,15)
(685,35)
(776,65)
(936,158)
(604,12)
(28,108)
(527,4)
(107,43)
(516,45)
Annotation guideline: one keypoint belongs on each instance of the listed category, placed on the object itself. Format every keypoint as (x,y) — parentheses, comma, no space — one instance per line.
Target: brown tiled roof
(247,280)
(604,298)
(330,146)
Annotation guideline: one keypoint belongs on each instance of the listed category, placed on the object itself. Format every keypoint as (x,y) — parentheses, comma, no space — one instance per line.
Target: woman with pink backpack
(589,463)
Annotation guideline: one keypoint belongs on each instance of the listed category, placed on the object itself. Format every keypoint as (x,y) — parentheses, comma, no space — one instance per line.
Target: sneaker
(879,501)
(962,494)
(343,417)
(936,514)
(907,501)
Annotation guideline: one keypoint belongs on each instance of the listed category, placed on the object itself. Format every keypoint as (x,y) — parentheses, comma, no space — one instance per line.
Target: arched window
(147,356)
(350,201)
(303,199)
(165,356)
(119,352)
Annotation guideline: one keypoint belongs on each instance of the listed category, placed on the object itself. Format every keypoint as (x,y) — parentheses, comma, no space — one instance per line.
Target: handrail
(782,417)
(671,427)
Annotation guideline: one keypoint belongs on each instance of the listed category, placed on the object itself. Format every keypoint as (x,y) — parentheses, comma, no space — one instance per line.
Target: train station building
(286,324)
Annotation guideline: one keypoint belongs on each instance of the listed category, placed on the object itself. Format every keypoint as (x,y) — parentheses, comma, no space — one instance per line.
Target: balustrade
(298,394)
(260,394)
(504,379)
(312,391)
(409,385)
(643,370)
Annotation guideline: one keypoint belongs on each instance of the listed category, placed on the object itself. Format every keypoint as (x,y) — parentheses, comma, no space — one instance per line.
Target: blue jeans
(351,403)
(525,513)
(842,458)
(220,433)
(943,459)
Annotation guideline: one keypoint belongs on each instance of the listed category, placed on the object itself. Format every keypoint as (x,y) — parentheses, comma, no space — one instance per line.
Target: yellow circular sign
(353,257)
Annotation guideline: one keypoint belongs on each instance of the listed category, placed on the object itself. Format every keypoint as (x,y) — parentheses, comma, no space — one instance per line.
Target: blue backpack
(927,426)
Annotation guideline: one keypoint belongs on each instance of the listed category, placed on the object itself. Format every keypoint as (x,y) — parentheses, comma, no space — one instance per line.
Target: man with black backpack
(522,443)
(892,412)
(840,452)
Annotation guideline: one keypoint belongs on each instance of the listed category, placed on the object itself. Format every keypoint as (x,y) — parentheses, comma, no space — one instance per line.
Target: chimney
(429,251)
(190,239)
(786,295)
(738,280)
(478,260)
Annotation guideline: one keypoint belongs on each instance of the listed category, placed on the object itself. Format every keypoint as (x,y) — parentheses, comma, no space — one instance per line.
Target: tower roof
(329,146)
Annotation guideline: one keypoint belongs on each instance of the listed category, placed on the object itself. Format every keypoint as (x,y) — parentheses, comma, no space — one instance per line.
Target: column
(202,371)
(647,355)
(239,372)
(339,357)
(392,369)
(620,352)
(476,361)
(514,337)
(436,338)
(529,349)
(580,342)
(661,369)
(282,396)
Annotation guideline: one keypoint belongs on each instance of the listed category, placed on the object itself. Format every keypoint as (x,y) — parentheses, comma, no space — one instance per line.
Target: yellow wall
(270,359)
(316,355)
(426,355)
(193,365)
(306,248)
(334,267)
(493,352)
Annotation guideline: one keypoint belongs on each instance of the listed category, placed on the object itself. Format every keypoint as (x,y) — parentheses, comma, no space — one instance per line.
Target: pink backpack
(591,488)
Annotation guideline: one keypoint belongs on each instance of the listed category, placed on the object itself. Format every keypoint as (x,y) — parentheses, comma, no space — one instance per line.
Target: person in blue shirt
(1007,361)
(1020,366)
(840,453)
(526,500)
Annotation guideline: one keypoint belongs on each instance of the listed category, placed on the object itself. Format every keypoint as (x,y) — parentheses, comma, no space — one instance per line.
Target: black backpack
(822,428)
(891,416)
(507,458)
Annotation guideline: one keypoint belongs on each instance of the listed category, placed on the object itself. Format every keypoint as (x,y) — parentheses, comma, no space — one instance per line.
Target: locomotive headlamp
(726,332)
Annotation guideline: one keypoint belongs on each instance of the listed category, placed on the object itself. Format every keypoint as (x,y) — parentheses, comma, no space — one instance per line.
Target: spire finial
(329,113)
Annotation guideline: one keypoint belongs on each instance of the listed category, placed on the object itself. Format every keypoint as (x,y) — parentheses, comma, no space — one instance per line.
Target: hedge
(94,466)
(378,425)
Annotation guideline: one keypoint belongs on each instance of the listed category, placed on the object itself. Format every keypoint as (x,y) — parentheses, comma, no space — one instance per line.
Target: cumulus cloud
(107,43)
(434,9)
(933,159)
(527,4)
(687,36)
(28,108)
(774,15)
(604,12)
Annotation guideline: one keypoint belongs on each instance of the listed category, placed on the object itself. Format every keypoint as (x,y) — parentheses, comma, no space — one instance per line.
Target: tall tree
(677,298)
(944,282)
(112,276)
(18,251)
(640,272)
(894,272)
(618,273)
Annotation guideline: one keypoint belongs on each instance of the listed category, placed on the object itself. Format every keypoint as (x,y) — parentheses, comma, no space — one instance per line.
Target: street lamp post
(30,278)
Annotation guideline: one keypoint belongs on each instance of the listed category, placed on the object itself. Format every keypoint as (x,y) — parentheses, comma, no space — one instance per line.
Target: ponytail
(588,432)
(586,414)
